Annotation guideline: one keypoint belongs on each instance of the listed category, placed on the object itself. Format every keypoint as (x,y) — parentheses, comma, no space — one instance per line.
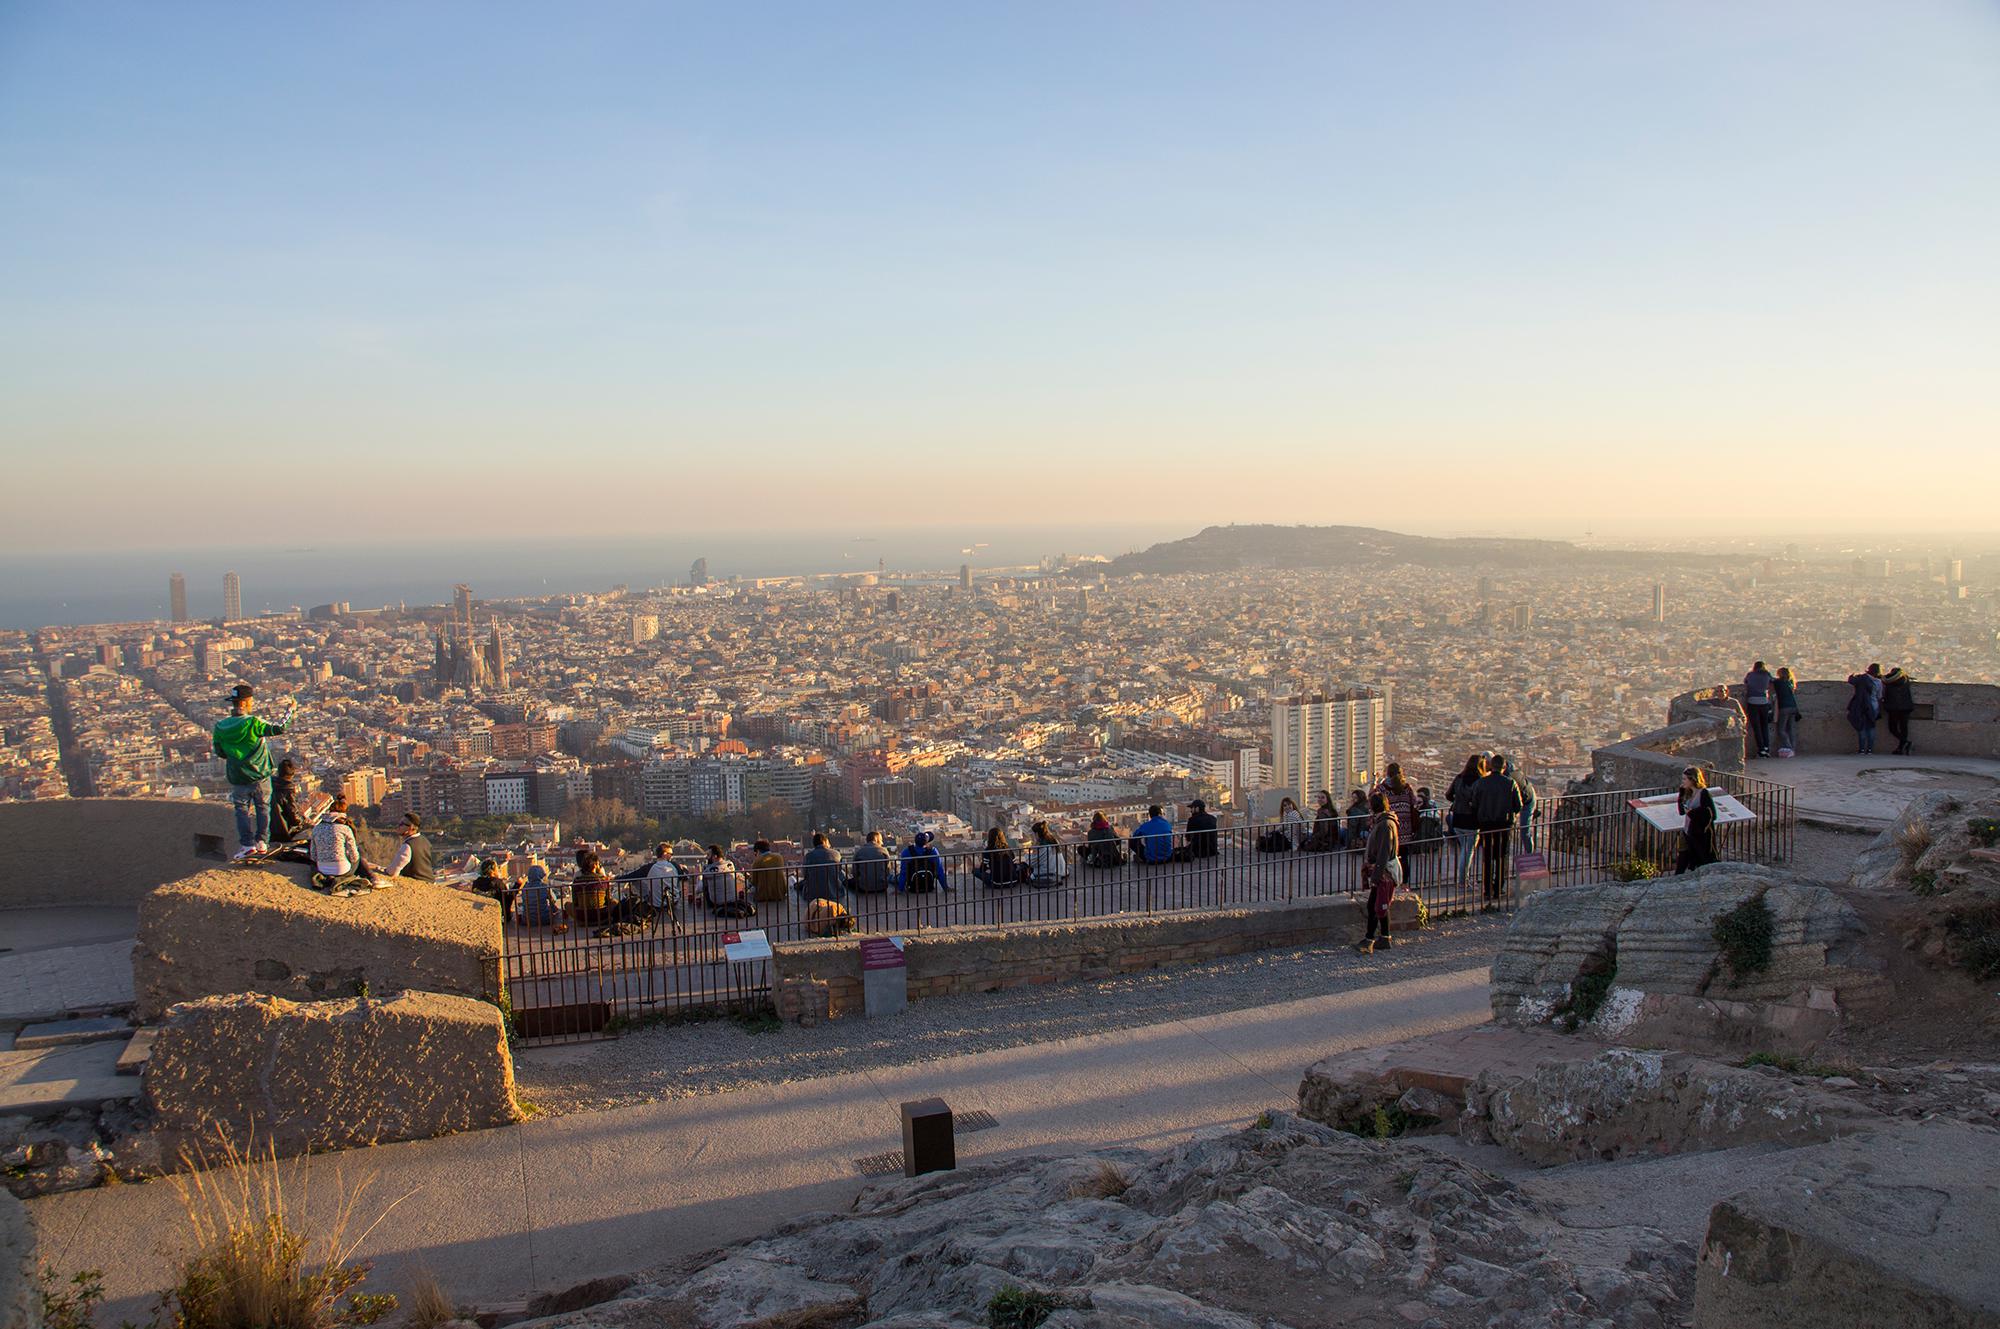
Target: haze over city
(385,272)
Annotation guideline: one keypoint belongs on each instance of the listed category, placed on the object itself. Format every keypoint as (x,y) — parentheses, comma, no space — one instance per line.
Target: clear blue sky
(1518,266)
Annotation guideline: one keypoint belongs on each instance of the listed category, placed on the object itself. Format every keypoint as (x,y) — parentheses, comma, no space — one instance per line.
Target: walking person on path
(1381,871)
(239,740)
(1757,708)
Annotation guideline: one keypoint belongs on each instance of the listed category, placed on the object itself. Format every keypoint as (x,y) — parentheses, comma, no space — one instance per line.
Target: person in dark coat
(1326,835)
(1103,848)
(1496,803)
(1863,706)
(1697,805)
(999,865)
(1201,832)
(288,804)
(1461,805)
(1381,871)
(1897,706)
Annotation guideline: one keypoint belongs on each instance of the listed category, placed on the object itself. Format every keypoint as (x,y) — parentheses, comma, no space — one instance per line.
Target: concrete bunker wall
(103,851)
(945,961)
(1951,719)
(238,929)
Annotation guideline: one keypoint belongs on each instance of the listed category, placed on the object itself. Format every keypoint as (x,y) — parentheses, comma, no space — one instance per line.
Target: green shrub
(1986,830)
(1744,936)
(1634,868)
(1021,1308)
(1972,939)
(70,1305)
(1924,882)
(1587,994)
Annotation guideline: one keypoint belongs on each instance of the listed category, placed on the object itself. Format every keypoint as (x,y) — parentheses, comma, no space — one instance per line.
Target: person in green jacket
(239,741)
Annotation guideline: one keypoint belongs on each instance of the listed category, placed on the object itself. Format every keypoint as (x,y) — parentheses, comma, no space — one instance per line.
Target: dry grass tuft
(426,1306)
(1107,1183)
(1914,840)
(253,1264)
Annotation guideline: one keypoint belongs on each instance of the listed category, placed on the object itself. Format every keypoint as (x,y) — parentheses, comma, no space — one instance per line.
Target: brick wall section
(945,961)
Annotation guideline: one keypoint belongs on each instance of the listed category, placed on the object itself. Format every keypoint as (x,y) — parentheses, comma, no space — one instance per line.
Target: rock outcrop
(1644,962)
(1289,1223)
(242,929)
(1894,1227)
(254,1072)
(1624,1103)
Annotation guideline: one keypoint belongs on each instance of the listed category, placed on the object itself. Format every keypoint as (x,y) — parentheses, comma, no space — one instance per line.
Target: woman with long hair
(1697,804)
(1464,813)
(1291,824)
(1402,797)
(997,865)
(1381,872)
(1048,864)
(1326,824)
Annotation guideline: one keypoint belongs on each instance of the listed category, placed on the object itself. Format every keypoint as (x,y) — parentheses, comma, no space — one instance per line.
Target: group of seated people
(1152,840)
(338,863)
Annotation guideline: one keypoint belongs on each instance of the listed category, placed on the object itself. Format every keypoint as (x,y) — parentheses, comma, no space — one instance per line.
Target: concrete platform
(60,981)
(83,1075)
(1855,792)
(62,1033)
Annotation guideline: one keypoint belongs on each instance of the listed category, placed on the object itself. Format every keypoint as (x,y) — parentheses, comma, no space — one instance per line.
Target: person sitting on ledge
(998,865)
(871,866)
(1103,849)
(820,879)
(722,887)
(288,804)
(1153,838)
(767,874)
(1201,832)
(413,856)
(923,866)
(1048,864)
(538,900)
(336,855)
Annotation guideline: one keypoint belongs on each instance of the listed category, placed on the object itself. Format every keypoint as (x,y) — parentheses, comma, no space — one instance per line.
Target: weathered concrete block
(264,930)
(1892,1227)
(259,1071)
(103,851)
(1649,947)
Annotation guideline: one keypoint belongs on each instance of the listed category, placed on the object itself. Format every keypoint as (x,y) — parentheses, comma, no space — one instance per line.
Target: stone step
(48,1081)
(57,1033)
(138,1052)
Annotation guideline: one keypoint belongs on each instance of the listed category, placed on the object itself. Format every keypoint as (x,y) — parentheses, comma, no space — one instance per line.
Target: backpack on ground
(827,918)
(1274,842)
(921,879)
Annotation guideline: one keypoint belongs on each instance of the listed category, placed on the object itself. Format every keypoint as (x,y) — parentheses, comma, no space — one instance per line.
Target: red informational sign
(1530,866)
(882,953)
(731,938)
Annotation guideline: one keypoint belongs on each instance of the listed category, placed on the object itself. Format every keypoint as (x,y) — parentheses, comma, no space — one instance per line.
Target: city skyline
(982,259)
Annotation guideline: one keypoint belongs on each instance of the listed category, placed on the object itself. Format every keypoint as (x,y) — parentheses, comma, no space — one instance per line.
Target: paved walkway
(1872,791)
(498,1214)
(47,984)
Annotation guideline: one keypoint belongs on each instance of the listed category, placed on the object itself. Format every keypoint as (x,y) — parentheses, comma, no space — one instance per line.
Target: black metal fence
(598,960)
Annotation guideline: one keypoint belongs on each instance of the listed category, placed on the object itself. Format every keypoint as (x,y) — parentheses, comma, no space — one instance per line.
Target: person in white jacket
(1048,864)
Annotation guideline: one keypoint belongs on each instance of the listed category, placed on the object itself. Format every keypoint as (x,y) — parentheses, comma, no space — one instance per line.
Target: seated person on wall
(998,865)
(590,891)
(413,855)
(767,874)
(537,902)
(1102,848)
(923,866)
(660,887)
(1048,864)
(871,866)
(1153,838)
(722,887)
(288,804)
(821,878)
(1202,837)
(336,854)
(493,885)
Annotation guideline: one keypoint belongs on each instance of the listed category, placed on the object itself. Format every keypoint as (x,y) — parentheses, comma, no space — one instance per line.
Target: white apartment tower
(1335,742)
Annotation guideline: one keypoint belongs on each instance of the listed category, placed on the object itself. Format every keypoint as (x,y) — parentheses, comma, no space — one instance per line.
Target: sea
(126,586)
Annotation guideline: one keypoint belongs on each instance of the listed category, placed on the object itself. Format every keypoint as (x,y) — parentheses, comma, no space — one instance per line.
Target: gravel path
(679,1061)
(1827,856)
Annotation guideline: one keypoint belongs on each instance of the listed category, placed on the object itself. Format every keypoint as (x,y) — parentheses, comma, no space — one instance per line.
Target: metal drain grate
(891,1163)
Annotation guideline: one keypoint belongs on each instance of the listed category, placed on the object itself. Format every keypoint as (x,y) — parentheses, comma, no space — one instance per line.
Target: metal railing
(598,960)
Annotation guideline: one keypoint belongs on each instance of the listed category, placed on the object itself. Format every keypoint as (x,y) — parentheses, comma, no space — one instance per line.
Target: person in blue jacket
(1153,838)
(923,865)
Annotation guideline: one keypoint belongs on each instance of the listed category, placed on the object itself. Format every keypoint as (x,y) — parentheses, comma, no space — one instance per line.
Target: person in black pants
(1897,706)
(1496,803)
(1696,804)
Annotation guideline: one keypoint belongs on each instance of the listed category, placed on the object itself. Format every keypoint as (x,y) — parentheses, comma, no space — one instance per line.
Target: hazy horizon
(1538,268)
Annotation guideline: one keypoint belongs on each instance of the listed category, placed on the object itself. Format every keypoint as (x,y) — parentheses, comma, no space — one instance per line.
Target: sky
(392,271)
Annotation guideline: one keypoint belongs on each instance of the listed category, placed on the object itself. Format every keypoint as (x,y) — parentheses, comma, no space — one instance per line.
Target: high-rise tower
(177,598)
(1659,602)
(1335,742)
(232,597)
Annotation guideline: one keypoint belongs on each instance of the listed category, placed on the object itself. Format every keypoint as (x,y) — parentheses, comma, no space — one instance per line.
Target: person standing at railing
(1496,804)
(1864,707)
(1201,832)
(1527,789)
(1402,799)
(1899,704)
(1430,831)
(1697,806)
(1381,872)
(1785,694)
(1757,708)
(1464,811)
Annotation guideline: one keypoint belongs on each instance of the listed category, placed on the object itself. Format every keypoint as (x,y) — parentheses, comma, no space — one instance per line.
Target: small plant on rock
(1985,831)
(69,1305)
(1021,1308)
(1923,882)
(1106,1183)
(1634,868)
(1744,936)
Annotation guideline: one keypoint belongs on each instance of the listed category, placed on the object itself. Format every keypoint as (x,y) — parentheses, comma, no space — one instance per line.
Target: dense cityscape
(952,700)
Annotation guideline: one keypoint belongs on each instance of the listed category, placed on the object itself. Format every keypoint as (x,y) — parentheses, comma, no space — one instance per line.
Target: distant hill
(1222,548)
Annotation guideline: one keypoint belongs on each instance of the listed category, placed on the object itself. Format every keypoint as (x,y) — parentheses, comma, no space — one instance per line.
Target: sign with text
(1662,811)
(1529,867)
(741,947)
(885,976)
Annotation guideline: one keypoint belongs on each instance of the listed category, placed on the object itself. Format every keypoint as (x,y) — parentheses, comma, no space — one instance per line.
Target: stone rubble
(1286,1224)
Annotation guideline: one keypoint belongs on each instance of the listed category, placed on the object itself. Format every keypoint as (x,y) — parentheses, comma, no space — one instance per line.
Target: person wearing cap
(1201,834)
(923,865)
(413,856)
(239,740)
